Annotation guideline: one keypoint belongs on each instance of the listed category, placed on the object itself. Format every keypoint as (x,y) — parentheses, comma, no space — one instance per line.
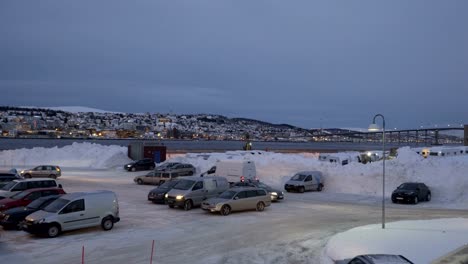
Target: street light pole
(374,127)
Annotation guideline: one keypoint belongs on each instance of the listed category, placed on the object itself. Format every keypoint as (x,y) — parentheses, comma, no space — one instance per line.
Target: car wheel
(53,176)
(188,205)
(416,200)
(139,181)
(319,188)
(107,223)
(428,197)
(133,169)
(27,175)
(301,189)
(260,206)
(53,231)
(225,210)
(170,205)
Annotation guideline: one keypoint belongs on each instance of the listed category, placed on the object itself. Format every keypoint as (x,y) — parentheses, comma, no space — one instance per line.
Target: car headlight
(128,165)
(274,193)
(179,197)
(166,195)
(22,172)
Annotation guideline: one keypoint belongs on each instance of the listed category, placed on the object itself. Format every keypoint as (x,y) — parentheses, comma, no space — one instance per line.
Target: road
(292,231)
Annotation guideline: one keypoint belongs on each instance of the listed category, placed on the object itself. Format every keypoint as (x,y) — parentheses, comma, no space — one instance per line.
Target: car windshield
(227,194)
(8,186)
(184,185)
(408,186)
(37,203)
(56,205)
(298,177)
(167,185)
(19,195)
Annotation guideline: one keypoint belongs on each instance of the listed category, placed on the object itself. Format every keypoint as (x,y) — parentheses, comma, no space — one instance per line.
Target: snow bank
(77,155)
(445,176)
(420,241)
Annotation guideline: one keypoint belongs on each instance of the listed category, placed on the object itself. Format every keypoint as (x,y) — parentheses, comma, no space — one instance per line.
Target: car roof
(42,189)
(34,179)
(245,188)
(76,195)
(385,259)
(309,172)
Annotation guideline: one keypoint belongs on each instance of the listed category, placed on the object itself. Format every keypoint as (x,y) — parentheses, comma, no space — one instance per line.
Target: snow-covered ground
(295,230)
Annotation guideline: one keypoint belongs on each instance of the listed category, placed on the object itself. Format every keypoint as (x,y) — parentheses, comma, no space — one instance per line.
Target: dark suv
(144,164)
(411,192)
(8,176)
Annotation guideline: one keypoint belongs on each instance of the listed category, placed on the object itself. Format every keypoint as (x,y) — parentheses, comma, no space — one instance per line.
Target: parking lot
(293,230)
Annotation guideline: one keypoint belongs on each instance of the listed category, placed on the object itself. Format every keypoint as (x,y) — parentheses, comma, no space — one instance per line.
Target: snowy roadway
(292,231)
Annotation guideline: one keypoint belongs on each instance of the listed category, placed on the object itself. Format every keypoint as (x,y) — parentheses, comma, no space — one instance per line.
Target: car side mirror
(236,198)
(60,186)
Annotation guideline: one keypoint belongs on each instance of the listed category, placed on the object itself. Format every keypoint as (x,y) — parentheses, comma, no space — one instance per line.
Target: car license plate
(399,198)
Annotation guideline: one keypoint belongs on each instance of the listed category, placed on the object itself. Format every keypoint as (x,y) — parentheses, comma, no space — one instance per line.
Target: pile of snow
(445,176)
(420,241)
(77,155)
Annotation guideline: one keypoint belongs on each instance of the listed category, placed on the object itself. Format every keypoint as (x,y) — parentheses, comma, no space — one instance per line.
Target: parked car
(43,171)
(191,191)
(166,165)
(8,176)
(275,194)
(75,211)
(144,164)
(12,218)
(157,194)
(238,199)
(182,169)
(26,197)
(411,192)
(20,185)
(305,181)
(379,259)
(157,177)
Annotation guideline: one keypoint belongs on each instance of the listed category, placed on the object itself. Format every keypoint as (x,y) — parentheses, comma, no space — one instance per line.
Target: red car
(25,197)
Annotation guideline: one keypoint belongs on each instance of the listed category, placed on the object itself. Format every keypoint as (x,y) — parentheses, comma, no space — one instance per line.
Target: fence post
(82,255)
(152,251)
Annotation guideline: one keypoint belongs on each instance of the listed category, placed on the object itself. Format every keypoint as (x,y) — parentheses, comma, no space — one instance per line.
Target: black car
(8,176)
(11,219)
(157,194)
(411,192)
(144,164)
(275,194)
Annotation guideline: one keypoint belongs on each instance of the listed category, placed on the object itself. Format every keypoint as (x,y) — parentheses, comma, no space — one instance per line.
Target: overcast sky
(307,63)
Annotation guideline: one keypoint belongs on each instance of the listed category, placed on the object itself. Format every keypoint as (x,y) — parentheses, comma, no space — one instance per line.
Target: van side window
(198,186)
(75,206)
(20,187)
(309,178)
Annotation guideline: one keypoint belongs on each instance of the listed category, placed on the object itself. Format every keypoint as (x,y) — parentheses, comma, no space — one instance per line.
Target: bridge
(433,136)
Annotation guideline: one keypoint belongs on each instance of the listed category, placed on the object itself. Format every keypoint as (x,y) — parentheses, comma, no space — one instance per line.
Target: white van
(20,185)
(74,211)
(192,191)
(236,170)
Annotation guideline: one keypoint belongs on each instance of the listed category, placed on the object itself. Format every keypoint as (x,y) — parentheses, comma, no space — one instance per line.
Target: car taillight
(242,178)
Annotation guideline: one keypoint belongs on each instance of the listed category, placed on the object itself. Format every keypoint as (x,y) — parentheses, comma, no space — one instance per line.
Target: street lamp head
(374,127)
